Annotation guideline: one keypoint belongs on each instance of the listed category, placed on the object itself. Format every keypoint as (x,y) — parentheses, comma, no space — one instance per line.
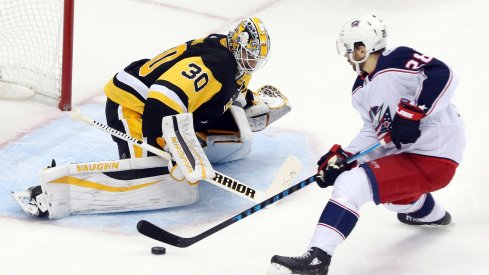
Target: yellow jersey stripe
(123,97)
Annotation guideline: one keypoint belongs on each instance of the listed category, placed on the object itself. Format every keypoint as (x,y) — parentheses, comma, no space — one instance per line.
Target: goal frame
(67,58)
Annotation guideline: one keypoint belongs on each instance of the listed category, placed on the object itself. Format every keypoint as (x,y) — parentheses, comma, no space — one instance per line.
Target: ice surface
(110,34)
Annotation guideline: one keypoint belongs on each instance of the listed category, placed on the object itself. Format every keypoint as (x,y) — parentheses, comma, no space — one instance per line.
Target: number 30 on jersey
(196,74)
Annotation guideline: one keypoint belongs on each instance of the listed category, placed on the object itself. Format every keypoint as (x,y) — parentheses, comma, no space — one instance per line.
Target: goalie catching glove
(331,165)
(267,106)
(189,160)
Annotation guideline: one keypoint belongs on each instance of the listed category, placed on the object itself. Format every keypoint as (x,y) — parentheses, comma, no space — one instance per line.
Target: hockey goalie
(151,182)
(191,101)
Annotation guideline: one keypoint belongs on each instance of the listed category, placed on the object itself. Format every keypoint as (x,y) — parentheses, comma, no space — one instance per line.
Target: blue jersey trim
(373,182)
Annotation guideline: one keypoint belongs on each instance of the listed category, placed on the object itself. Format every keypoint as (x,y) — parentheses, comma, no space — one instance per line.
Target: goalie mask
(369,30)
(250,44)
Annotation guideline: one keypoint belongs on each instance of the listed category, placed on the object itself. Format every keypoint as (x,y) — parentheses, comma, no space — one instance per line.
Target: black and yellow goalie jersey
(197,77)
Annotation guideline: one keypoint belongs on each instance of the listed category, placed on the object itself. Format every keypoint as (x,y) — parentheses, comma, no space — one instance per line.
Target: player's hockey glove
(405,126)
(331,165)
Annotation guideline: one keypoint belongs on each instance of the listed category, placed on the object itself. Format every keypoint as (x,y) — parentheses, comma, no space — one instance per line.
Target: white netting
(272,96)
(31,47)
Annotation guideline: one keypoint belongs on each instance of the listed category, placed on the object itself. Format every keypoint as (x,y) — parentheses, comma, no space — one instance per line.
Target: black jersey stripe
(179,92)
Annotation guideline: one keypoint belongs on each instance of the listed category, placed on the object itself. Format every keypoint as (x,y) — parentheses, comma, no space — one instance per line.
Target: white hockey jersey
(405,73)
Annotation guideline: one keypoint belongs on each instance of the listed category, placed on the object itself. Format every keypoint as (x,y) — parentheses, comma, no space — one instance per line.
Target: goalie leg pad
(234,146)
(140,184)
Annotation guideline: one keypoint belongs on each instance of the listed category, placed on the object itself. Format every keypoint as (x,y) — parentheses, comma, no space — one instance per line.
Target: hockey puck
(158,250)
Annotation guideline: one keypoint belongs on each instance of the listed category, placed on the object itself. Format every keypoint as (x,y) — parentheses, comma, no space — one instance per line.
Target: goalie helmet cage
(36,50)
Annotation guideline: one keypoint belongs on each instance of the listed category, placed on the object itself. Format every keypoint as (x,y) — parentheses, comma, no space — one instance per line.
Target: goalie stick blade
(288,171)
(152,231)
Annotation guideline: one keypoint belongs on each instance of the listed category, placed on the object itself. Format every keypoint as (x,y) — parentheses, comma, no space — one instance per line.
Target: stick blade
(154,232)
(287,172)
(75,114)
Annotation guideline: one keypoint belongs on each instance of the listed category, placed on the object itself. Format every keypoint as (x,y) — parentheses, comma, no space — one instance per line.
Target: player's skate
(32,201)
(314,262)
(405,218)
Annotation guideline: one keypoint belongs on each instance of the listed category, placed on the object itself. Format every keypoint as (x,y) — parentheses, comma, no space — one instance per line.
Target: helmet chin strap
(357,63)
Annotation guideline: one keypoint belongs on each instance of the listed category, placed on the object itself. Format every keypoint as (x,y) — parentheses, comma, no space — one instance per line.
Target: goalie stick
(150,230)
(220,180)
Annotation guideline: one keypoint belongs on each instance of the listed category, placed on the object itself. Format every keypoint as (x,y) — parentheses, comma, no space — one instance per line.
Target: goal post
(67,61)
(36,50)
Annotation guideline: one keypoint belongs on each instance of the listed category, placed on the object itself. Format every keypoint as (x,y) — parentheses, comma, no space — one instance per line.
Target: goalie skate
(32,201)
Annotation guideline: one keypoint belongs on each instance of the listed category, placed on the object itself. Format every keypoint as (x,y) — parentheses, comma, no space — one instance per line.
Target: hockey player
(192,101)
(205,77)
(406,94)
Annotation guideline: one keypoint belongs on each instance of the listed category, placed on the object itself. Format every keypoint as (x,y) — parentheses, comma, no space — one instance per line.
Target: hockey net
(36,49)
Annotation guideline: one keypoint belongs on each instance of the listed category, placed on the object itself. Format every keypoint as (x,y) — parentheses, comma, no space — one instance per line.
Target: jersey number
(418,61)
(195,73)
(166,56)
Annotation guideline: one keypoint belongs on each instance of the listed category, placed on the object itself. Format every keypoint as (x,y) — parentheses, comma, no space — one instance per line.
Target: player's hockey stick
(150,230)
(220,180)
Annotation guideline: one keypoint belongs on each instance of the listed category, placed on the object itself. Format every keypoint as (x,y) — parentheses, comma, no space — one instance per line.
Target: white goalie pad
(269,106)
(225,148)
(179,135)
(113,186)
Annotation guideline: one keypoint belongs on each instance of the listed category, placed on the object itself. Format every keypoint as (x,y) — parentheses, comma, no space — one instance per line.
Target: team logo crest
(253,36)
(381,117)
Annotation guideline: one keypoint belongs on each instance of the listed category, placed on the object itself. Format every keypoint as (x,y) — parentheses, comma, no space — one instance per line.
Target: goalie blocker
(180,140)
